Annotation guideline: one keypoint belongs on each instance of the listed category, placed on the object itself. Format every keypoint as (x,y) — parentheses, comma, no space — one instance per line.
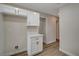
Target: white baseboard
(50,42)
(12,53)
(67,53)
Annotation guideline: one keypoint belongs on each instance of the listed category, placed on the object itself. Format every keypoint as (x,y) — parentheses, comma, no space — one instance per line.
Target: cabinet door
(36,45)
(23,12)
(33,46)
(40,44)
(36,19)
(30,19)
(33,19)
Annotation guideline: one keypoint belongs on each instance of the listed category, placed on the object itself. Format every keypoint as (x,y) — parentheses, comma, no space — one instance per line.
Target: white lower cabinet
(35,45)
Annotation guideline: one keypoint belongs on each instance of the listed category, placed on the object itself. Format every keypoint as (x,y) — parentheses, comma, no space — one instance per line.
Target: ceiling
(47,8)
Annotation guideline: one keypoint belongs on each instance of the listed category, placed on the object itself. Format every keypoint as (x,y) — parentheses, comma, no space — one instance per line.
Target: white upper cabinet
(8,10)
(22,12)
(13,10)
(33,19)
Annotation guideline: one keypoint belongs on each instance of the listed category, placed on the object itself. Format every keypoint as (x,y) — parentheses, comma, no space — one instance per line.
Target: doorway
(42,28)
(57,30)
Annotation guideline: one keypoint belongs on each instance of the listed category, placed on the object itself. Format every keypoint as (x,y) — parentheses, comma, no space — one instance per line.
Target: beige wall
(15,34)
(48,28)
(51,29)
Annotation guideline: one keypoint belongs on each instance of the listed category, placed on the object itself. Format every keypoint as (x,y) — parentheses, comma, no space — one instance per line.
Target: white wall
(1,35)
(69,29)
(50,29)
(15,34)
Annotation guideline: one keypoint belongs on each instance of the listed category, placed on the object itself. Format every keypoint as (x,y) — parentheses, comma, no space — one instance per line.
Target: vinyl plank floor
(49,50)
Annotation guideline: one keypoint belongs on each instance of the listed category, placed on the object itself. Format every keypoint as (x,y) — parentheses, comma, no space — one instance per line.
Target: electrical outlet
(16,47)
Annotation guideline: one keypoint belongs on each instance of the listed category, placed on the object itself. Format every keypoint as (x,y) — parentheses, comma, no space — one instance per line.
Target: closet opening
(42,29)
